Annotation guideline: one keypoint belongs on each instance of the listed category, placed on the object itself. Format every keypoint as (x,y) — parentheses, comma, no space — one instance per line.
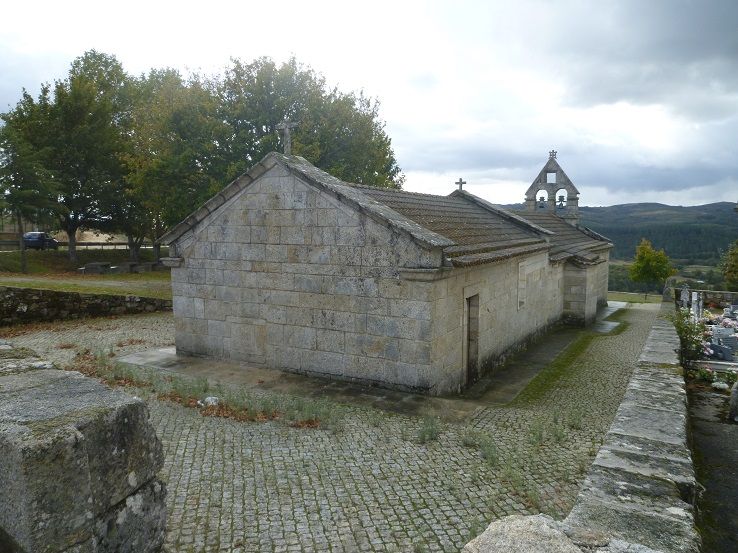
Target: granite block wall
(287,276)
(517,299)
(585,289)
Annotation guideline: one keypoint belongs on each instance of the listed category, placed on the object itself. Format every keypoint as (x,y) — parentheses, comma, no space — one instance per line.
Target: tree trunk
(133,248)
(72,244)
(22,244)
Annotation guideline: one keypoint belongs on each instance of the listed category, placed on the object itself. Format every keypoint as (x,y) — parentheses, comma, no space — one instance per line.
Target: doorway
(472,339)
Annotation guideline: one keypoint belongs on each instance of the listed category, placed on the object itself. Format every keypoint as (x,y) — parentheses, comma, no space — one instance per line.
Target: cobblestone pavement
(370,485)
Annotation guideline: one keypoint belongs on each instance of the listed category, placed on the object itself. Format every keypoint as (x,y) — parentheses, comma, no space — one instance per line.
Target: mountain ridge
(690,235)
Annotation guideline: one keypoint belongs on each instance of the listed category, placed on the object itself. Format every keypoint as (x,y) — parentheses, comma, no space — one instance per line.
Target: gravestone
(733,406)
(684,297)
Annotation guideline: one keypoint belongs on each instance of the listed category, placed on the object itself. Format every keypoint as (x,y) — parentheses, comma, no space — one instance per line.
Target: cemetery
(716,319)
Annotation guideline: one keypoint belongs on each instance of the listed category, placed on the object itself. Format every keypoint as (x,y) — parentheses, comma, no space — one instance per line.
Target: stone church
(291,268)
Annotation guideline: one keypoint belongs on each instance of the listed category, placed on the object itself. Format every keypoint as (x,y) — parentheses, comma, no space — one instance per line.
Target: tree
(650,266)
(729,267)
(84,141)
(27,188)
(340,133)
(172,161)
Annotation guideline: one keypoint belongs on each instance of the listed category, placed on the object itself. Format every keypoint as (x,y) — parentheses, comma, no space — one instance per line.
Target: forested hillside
(691,235)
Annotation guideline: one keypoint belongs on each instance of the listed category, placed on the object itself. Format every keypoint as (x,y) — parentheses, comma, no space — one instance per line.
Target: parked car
(40,241)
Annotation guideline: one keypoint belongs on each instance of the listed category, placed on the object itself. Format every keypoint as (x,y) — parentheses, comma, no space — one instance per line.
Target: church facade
(293,269)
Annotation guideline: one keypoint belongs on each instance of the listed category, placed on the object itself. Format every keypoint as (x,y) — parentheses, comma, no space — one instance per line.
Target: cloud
(677,53)
(639,98)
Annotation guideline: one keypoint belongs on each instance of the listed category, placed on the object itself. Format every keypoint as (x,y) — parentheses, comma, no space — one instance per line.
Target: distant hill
(691,235)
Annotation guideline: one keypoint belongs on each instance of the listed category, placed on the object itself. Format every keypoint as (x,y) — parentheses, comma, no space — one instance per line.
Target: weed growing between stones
(532,497)
(488,449)
(575,420)
(477,527)
(232,403)
(537,434)
(17,353)
(559,433)
(430,430)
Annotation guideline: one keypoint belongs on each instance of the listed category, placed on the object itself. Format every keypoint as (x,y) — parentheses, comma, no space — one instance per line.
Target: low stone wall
(721,298)
(23,305)
(78,464)
(639,493)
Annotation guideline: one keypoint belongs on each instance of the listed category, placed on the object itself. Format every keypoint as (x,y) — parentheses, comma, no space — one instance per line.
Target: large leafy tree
(136,155)
(173,161)
(729,267)
(27,187)
(650,266)
(340,133)
(84,139)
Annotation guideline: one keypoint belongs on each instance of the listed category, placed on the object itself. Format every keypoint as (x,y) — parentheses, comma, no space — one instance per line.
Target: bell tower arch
(553,191)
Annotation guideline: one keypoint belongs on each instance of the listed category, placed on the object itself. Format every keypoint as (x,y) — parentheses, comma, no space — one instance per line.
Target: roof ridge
(374,208)
(501,212)
(395,190)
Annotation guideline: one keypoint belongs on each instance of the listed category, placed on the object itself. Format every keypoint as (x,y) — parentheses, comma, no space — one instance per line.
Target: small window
(551,178)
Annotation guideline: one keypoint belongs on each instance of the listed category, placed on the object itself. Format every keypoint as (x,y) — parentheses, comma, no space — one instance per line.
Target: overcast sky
(639,98)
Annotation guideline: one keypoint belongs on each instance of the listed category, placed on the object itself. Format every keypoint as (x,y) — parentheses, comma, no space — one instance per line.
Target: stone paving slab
(370,485)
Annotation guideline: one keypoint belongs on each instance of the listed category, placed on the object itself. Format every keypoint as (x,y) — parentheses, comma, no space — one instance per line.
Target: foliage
(174,148)
(339,133)
(105,150)
(690,235)
(691,336)
(27,189)
(707,374)
(650,265)
(729,267)
(430,430)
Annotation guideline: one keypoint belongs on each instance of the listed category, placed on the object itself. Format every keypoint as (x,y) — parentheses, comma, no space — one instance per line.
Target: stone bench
(78,465)
(146,267)
(124,267)
(95,268)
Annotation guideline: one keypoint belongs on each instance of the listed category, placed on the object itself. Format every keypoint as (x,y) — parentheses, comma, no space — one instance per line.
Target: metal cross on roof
(552,154)
(461,183)
(285,126)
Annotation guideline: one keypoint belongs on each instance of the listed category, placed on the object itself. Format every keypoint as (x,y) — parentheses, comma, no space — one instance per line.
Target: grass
(559,367)
(233,402)
(634,297)
(43,262)
(429,431)
(154,284)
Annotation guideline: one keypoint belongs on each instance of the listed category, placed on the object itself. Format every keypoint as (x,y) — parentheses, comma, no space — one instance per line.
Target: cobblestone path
(370,485)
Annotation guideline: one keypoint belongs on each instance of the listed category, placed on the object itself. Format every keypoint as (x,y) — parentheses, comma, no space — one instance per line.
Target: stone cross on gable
(286,126)
(461,183)
(552,154)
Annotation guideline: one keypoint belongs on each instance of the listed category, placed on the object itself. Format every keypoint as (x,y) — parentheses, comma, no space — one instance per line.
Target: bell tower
(553,191)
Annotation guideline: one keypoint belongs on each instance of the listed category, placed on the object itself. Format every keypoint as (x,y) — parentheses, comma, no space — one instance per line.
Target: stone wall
(585,289)
(288,276)
(718,297)
(517,298)
(78,464)
(24,305)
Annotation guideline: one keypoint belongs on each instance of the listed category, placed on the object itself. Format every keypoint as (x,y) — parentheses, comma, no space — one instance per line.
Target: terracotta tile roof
(471,227)
(567,240)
